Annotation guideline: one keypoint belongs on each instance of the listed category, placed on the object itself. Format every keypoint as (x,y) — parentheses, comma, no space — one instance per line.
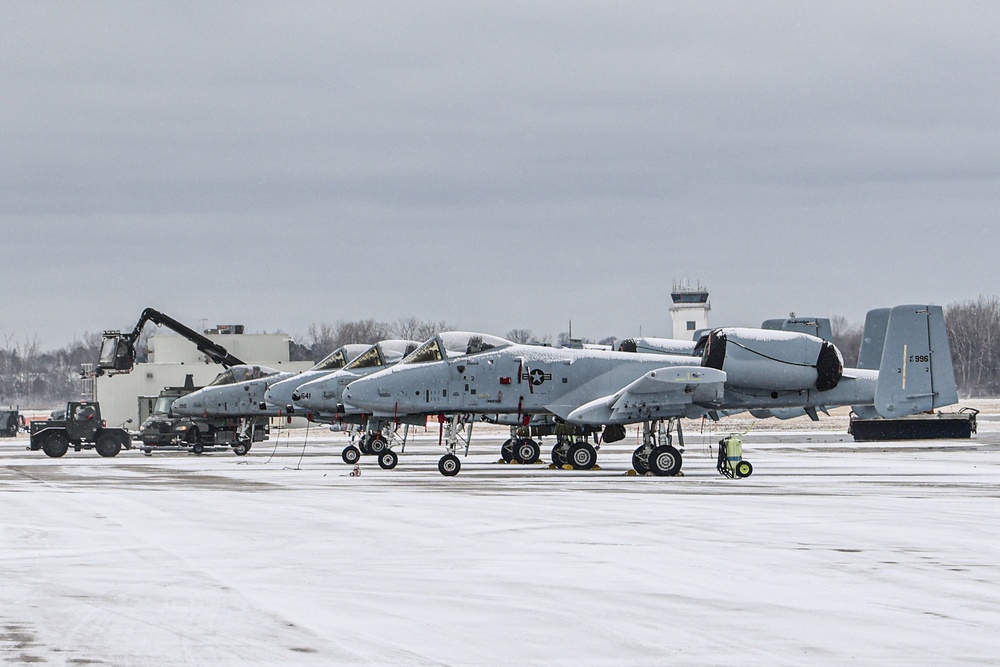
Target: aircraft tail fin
(915,373)
(873,339)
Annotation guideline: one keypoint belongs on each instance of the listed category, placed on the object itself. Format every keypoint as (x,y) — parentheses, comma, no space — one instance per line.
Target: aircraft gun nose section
(191,405)
(310,397)
(363,394)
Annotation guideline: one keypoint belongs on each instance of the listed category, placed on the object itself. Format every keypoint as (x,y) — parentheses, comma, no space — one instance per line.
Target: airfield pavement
(831,552)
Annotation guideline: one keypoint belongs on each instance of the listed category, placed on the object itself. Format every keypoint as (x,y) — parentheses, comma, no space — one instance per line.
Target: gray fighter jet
(322,401)
(281,393)
(739,369)
(240,390)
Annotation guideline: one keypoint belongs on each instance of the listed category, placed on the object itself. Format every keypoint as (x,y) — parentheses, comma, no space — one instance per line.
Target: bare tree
(847,337)
(974,337)
(522,336)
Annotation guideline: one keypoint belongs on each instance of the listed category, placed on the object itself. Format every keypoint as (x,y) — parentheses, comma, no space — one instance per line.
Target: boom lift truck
(118,352)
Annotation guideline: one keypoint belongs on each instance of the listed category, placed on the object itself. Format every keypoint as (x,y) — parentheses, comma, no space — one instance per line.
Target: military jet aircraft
(739,369)
(322,400)
(280,393)
(239,391)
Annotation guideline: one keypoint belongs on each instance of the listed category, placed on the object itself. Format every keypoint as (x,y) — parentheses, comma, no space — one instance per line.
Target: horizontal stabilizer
(665,392)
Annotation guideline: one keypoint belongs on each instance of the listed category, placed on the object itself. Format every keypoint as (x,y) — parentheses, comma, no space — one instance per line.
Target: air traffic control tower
(690,309)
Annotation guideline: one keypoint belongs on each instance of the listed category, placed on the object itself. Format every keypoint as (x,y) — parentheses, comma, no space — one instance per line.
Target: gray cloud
(495,165)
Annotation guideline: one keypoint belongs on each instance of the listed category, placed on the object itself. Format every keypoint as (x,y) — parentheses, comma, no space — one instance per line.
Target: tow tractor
(11,422)
(82,428)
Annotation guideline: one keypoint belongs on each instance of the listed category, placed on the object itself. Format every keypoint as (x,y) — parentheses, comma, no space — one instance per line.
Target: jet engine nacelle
(773,360)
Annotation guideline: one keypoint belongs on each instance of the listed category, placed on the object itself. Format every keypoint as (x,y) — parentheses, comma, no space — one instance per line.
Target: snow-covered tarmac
(831,552)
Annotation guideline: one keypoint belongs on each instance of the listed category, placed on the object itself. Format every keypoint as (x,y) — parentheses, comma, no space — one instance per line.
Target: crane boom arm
(118,349)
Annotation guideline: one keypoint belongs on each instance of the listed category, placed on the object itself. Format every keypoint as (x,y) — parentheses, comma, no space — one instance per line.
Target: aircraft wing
(666,392)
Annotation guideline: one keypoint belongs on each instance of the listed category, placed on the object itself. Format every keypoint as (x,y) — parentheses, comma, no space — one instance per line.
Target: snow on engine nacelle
(773,360)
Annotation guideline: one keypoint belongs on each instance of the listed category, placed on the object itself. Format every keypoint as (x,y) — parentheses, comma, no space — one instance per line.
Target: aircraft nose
(189,405)
(361,394)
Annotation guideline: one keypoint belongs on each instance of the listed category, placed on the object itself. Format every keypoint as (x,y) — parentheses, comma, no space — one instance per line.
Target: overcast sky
(495,165)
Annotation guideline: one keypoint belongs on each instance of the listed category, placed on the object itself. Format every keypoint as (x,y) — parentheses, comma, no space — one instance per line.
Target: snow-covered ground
(831,552)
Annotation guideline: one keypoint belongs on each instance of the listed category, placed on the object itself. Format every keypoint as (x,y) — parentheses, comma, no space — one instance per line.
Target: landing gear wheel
(582,456)
(744,469)
(526,451)
(363,445)
(665,461)
(558,457)
(108,445)
(387,460)
(197,448)
(449,465)
(55,445)
(240,449)
(351,455)
(507,450)
(640,460)
(377,445)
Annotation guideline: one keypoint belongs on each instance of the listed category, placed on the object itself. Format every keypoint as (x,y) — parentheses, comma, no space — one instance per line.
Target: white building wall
(688,318)
(273,347)
(177,357)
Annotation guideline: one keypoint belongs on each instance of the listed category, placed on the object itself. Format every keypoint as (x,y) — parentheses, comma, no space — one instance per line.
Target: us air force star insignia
(537,376)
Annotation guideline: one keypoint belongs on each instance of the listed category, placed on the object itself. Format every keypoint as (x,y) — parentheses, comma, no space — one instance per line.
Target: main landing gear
(377,440)
(572,448)
(657,453)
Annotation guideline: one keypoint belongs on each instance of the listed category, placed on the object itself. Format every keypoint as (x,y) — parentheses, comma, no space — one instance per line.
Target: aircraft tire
(351,455)
(449,465)
(197,448)
(108,445)
(377,445)
(582,456)
(744,469)
(240,449)
(665,461)
(55,445)
(507,450)
(639,461)
(526,451)
(558,459)
(387,460)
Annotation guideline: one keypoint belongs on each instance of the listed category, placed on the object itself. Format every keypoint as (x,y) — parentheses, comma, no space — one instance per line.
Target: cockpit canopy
(241,374)
(452,344)
(383,353)
(331,362)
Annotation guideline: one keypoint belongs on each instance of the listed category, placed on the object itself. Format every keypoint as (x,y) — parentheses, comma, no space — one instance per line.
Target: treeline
(974,337)
(31,378)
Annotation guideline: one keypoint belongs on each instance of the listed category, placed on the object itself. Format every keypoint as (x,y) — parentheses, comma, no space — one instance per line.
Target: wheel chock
(566,466)
(631,473)
(597,467)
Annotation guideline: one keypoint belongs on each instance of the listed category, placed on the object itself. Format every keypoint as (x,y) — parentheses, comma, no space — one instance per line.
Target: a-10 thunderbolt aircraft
(239,391)
(279,394)
(320,398)
(739,369)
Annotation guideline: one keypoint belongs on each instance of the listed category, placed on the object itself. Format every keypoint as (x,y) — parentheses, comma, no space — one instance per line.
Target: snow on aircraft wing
(665,392)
